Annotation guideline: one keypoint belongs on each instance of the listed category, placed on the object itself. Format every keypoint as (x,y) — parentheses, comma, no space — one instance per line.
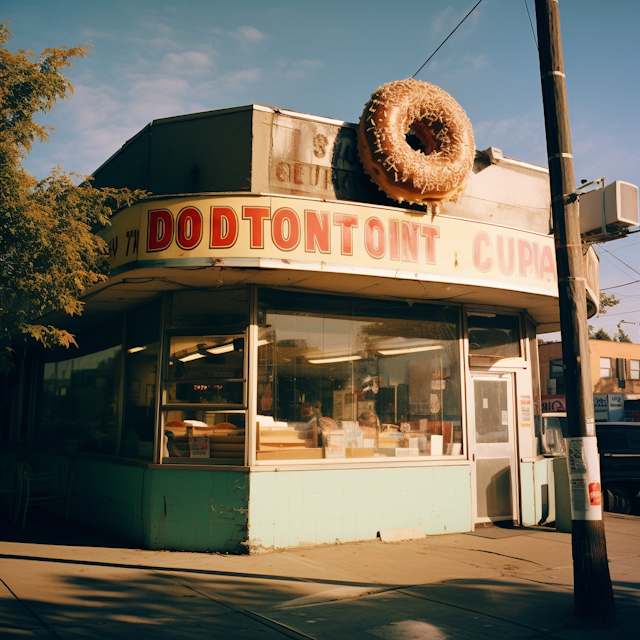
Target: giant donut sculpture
(440,124)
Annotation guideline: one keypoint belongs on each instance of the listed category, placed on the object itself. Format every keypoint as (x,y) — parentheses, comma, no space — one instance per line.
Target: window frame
(375,461)
(169,332)
(605,368)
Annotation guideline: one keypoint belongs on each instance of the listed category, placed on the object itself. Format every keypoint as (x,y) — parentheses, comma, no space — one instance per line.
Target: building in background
(615,377)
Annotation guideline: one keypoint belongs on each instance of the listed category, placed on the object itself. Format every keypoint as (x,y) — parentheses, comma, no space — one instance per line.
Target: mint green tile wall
(191,510)
(290,508)
(527,494)
(198,510)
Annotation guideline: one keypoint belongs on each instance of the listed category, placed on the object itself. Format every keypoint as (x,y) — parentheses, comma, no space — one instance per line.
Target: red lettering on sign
(347,222)
(482,260)
(525,257)
(536,259)
(224,228)
(257,216)
(507,263)
(317,232)
(159,230)
(410,231)
(375,238)
(547,266)
(189,228)
(285,229)
(394,240)
(430,234)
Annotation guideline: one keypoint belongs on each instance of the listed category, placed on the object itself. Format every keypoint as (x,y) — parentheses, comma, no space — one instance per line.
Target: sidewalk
(495,583)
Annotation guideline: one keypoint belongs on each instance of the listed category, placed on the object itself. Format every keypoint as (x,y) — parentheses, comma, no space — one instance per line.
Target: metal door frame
(510,377)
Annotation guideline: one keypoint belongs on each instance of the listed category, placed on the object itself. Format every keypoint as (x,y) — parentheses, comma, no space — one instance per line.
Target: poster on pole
(584,478)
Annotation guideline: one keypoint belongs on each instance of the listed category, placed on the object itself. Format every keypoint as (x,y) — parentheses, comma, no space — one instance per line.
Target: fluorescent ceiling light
(481,314)
(135,349)
(337,359)
(397,352)
(261,343)
(224,348)
(193,356)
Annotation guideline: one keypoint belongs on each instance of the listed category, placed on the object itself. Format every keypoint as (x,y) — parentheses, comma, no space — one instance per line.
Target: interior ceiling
(127,291)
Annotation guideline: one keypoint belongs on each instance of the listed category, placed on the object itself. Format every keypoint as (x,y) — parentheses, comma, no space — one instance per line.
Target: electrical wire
(531,23)
(618,286)
(622,313)
(438,49)
(609,253)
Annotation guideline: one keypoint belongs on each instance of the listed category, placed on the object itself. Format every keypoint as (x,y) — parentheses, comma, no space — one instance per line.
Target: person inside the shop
(369,425)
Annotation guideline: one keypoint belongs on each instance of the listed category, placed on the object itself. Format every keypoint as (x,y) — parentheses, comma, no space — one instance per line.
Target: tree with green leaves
(606,301)
(620,335)
(49,254)
(600,334)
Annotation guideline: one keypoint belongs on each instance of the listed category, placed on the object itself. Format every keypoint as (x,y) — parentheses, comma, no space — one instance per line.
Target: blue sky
(154,59)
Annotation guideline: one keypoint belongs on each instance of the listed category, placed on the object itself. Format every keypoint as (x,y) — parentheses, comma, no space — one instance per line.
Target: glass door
(493,417)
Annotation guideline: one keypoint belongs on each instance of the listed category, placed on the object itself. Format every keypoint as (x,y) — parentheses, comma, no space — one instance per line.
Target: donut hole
(423,137)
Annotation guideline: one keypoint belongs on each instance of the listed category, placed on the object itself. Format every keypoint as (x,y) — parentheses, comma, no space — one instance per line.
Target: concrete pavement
(496,583)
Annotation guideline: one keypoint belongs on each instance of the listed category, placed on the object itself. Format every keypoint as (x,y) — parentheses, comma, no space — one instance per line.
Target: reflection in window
(143,327)
(80,401)
(206,375)
(493,335)
(375,379)
(206,369)
(491,411)
(204,385)
(220,308)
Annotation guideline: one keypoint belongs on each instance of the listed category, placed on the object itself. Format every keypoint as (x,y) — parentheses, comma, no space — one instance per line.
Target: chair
(52,484)
(8,477)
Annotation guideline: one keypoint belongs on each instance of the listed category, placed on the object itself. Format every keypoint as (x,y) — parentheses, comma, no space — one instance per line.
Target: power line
(615,266)
(619,313)
(619,260)
(531,23)
(438,49)
(619,285)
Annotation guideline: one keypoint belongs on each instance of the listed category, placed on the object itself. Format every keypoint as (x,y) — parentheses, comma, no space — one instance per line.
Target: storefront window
(206,369)
(141,366)
(204,383)
(493,335)
(80,394)
(340,378)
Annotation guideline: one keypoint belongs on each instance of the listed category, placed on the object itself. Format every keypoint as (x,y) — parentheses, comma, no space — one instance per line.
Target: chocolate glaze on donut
(432,174)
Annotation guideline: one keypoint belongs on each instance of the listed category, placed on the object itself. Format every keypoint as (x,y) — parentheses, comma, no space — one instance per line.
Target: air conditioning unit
(620,208)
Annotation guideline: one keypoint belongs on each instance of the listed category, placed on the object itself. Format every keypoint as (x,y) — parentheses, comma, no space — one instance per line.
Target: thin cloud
(520,137)
(240,79)
(476,61)
(248,33)
(299,69)
(94,33)
(190,62)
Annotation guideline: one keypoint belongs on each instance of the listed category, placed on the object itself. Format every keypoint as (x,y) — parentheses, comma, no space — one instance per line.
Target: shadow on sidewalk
(144,603)
(42,527)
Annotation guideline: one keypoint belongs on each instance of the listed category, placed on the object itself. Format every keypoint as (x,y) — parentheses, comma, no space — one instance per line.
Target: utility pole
(593,594)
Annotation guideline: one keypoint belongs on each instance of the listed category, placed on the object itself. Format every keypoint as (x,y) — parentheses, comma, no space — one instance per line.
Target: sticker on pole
(584,478)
